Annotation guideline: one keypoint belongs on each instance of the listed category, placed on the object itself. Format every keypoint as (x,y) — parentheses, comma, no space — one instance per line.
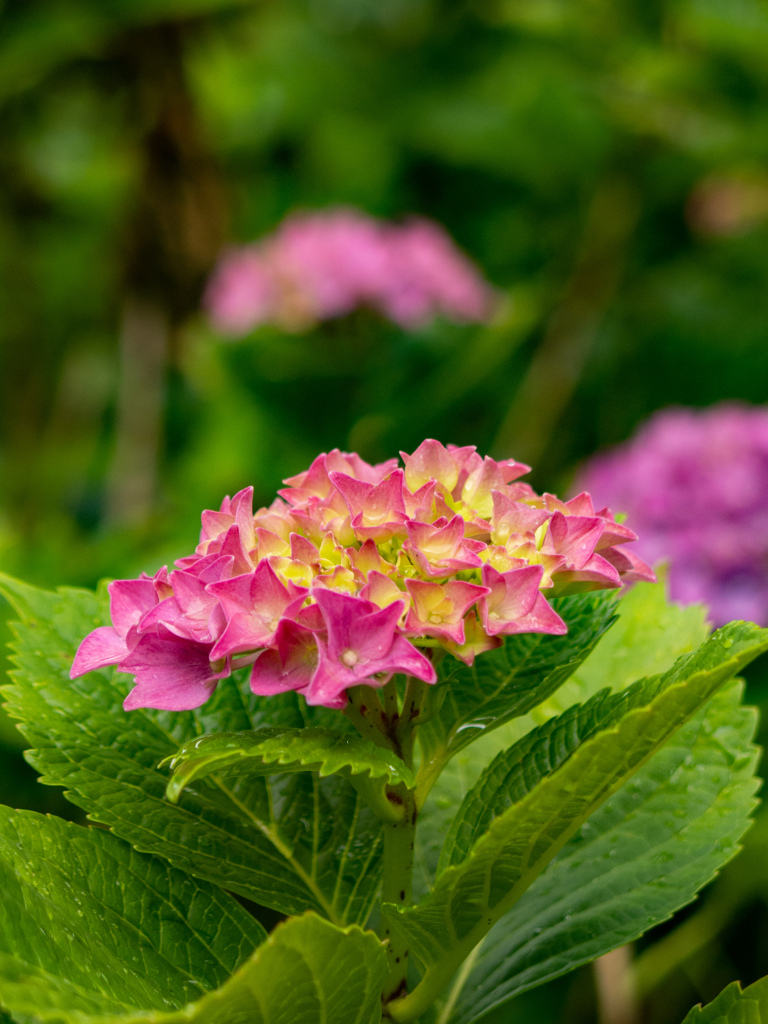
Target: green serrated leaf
(510,681)
(307,971)
(267,751)
(648,636)
(468,899)
(90,925)
(642,855)
(275,841)
(515,772)
(92,932)
(734,1006)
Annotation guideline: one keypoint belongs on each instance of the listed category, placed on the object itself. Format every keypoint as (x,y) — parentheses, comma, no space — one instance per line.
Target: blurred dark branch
(178,221)
(144,345)
(38,39)
(29,389)
(557,364)
(173,236)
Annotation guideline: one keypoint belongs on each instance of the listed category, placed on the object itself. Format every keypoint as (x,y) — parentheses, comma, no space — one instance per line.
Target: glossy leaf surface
(648,636)
(90,926)
(93,933)
(639,858)
(470,897)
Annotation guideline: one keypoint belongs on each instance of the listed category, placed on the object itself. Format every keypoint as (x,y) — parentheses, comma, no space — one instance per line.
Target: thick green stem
(414,708)
(397,888)
(390,704)
(366,713)
(379,717)
(409,1007)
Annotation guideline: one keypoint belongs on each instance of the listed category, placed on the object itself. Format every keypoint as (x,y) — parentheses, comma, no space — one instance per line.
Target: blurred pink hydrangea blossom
(317,266)
(355,573)
(695,484)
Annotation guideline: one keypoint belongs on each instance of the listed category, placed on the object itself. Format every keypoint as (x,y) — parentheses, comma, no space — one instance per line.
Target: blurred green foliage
(605,162)
(575,149)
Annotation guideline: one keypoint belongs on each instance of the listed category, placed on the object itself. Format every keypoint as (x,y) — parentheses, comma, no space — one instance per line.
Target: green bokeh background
(604,162)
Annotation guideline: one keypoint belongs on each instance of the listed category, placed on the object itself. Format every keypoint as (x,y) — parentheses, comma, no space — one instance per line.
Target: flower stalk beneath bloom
(393,722)
(366,712)
(397,889)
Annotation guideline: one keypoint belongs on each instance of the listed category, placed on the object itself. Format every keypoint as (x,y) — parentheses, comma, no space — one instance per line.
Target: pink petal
(513,595)
(233,545)
(315,479)
(575,537)
(246,632)
(542,618)
(172,673)
(353,491)
(516,516)
(169,614)
(191,595)
(510,469)
(304,550)
(403,657)
(422,504)
(328,685)
(446,624)
(482,480)
(129,600)
(385,499)
(430,461)
(581,505)
(254,604)
(104,646)
(476,642)
(356,624)
(629,565)
(269,676)
(289,667)
(596,574)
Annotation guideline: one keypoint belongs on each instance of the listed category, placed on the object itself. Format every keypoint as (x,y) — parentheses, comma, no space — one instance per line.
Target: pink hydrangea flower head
(356,573)
(320,265)
(694,483)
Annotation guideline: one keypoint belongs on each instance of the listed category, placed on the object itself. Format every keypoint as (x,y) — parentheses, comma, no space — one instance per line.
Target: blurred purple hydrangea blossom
(695,484)
(317,266)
